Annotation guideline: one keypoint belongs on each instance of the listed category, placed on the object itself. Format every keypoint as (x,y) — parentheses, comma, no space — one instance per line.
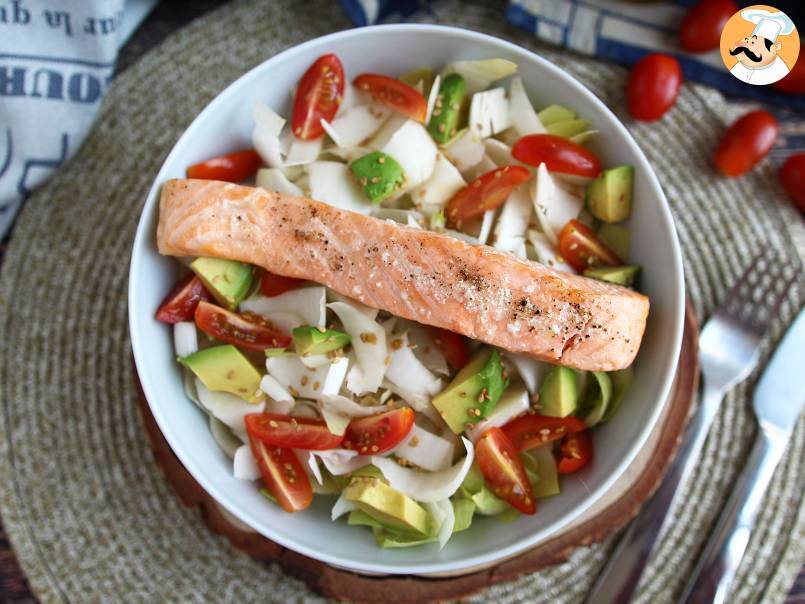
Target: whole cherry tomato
(701,28)
(745,143)
(792,175)
(320,92)
(653,86)
(794,82)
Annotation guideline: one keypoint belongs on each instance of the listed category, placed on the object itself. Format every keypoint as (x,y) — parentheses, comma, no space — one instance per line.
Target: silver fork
(729,349)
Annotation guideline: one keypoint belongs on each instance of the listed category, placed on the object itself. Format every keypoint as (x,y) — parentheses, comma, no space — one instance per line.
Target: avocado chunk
(415,76)
(557,394)
(474,391)
(444,119)
(568,128)
(379,174)
(619,275)
(312,340)
(227,280)
(597,396)
(555,113)
(609,197)
(541,462)
(389,507)
(616,237)
(621,382)
(225,369)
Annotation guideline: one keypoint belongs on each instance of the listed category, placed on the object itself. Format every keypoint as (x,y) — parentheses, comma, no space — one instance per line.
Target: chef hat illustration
(768,25)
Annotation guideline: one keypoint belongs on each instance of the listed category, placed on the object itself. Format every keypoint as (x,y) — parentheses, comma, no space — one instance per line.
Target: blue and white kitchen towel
(610,29)
(56,60)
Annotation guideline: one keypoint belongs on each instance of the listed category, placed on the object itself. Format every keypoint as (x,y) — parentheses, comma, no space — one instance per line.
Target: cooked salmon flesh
(485,294)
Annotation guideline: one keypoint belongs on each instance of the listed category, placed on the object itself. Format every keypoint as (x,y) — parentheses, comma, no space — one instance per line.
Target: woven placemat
(89,514)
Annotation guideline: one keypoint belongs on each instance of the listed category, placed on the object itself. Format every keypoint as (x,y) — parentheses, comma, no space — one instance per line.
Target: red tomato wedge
(558,154)
(703,23)
(452,345)
(576,451)
(378,433)
(792,175)
(318,96)
(486,192)
(653,86)
(532,431)
(745,143)
(248,331)
(582,249)
(503,470)
(291,432)
(395,94)
(181,303)
(283,475)
(273,285)
(233,167)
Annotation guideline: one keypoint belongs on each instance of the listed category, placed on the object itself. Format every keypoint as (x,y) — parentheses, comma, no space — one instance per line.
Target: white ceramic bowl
(226,125)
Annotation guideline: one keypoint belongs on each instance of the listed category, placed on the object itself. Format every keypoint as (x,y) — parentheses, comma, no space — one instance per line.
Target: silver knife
(778,401)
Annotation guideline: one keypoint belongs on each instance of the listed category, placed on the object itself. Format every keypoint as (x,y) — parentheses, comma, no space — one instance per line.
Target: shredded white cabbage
(424,348)
(303,381)
(356,124)
(530,369)
(228,408)
(465,151)
(426,450)
(266,134)
(482,167)
(387,130)
(489,112)
(414,150)
(301,152)
(369,345)
(342,506)
(342,461)
(434,93)
(275,390)
(444,182)
(275,180)
(547,253)
(407,371)
(185,338)
(523,117)
(499,152)
(306,303)
(332,183)
(426,486)
(315,361)
(227,440)
(308,461)
(554,206)
(512,403)
(513,220)
(478,75)
(243,465)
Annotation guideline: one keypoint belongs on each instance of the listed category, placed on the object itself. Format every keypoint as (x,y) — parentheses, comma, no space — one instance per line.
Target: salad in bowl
(412,295)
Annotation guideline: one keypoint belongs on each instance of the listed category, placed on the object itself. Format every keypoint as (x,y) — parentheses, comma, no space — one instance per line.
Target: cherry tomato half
(503,470)
(745,143)
(653,86)
(452,345)
(581,247)
(273,285)
(248,331)
(576,451)
(701,28)
(794,82)
(792,175)
(283,475)
(318,96)
(233,167)
(394,93)
(181,303)
(531,431)
(486,192)
(378,433)
(558,154)
(291,432)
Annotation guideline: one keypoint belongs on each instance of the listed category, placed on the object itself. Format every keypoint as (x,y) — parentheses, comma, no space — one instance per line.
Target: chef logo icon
(759,45)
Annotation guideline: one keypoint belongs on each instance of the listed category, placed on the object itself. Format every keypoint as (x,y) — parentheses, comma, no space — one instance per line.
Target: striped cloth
(623,32)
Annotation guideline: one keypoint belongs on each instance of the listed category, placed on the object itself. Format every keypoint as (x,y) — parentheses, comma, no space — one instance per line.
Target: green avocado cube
(444,119)
(312,340)
(227,280)
(557,394)
(474,391)
(616,237)
(555,113)
(379,174)
(226,369)
(619,275)
(609,197)
(391,508)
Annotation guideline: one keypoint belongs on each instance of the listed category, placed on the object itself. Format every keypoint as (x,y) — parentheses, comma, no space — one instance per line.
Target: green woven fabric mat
(89,513)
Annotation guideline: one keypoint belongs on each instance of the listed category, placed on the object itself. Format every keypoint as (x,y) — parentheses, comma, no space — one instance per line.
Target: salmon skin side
(482,293)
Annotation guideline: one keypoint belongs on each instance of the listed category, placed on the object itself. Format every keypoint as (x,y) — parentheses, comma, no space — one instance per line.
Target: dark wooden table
(167,17)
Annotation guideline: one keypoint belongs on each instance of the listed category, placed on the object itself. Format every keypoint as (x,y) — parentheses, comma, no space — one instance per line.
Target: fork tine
(758,293)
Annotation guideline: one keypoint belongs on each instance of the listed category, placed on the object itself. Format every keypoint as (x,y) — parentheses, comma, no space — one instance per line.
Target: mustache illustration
(743,49)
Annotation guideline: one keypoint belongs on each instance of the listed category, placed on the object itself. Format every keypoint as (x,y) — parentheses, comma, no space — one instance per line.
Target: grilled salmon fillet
(492,296)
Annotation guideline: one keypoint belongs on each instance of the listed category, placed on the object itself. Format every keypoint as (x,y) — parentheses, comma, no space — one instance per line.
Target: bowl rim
(144,236)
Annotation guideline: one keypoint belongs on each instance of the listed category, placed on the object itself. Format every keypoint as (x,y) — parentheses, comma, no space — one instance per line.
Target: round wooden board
(609,514)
